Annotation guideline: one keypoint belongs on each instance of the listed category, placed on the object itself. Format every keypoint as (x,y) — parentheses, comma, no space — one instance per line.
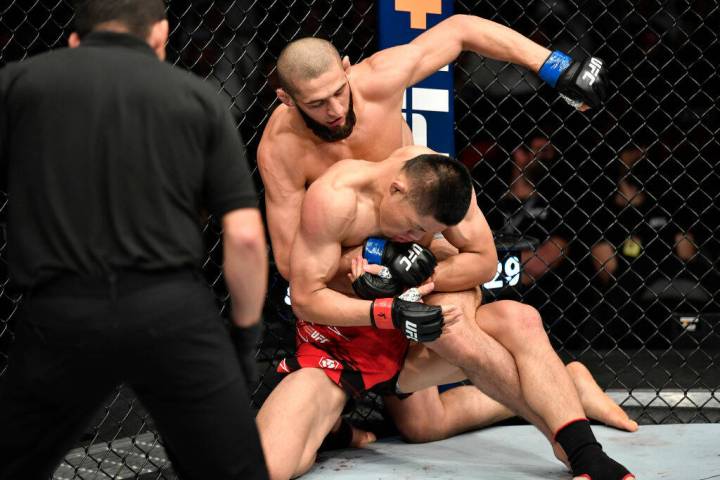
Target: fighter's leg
(544,379)
(597,405)
(427,415)
(546,385)
(295,419)
(595,402)
(479,357)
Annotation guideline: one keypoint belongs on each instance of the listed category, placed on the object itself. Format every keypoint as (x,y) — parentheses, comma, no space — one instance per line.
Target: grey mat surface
(673,452)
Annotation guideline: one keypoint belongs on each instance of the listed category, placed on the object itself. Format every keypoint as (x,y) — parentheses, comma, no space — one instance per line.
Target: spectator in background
(525,210)
(639,231)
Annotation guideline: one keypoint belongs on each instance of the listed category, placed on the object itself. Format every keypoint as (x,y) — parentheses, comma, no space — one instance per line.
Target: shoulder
(14,70)
(281,149)
(8,74)
(386,73)
(192,83)
(389,59)
(329,208)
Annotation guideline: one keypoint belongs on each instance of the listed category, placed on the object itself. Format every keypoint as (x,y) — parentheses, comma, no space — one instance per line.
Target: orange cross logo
(419,10)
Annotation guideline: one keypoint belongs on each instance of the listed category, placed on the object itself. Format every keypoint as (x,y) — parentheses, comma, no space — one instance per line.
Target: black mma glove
(410,264)
(369,286)
(245,340)
(417,321)
(577,81)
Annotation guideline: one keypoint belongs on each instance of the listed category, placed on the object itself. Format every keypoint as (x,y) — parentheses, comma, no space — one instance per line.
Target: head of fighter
(429,193)
(144,19)
(314,81)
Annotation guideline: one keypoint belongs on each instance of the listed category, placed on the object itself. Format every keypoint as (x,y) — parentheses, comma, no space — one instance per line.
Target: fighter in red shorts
(358,359)
(332,110)
(412,193)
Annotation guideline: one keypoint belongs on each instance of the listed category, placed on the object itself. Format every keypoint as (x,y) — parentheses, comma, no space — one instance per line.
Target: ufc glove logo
(414,252)
(417,321)
(411,331)
(594,67)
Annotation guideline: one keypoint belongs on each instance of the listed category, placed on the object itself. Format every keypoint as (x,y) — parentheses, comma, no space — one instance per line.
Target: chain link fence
(618,203)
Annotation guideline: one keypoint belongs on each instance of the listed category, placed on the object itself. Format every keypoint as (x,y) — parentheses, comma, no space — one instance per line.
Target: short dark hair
(137,15)
(439,186)
(305,58)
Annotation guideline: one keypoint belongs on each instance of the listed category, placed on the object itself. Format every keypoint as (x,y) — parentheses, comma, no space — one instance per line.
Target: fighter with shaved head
(332,110)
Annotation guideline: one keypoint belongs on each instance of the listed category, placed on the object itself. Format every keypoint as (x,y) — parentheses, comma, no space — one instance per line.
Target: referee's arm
(245,264)
(231,195)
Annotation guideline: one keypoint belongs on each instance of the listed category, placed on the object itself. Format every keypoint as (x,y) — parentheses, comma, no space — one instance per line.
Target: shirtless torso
(291,157)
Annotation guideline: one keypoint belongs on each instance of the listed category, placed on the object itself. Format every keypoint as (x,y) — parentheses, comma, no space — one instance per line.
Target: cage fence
(611,213)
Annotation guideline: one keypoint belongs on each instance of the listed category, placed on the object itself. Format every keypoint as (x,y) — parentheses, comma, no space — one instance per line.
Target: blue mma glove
(578,82)
(410,264)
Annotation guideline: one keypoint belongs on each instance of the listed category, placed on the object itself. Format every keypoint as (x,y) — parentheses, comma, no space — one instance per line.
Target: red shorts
(358,359)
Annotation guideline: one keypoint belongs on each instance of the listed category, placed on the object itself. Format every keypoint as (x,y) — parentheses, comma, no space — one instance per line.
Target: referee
(111,155)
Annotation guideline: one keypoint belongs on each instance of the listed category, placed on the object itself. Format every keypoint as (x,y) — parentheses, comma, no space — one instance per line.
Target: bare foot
(361,438)
(597,405)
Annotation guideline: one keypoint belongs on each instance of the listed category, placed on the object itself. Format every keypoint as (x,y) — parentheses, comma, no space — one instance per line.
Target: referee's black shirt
(111,155)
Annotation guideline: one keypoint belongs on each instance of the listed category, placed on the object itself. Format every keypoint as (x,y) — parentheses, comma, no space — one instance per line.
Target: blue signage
(428,105)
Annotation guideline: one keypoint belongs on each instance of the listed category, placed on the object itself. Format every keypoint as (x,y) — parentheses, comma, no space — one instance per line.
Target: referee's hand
(245,340)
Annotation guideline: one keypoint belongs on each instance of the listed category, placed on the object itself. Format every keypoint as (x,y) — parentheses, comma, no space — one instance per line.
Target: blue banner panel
(428,105)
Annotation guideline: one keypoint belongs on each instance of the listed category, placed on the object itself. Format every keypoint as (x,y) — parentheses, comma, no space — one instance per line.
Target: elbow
(464,22)
(300,302)
(282,263)
(461,23)
(247,241)
(488,266)
(462,18)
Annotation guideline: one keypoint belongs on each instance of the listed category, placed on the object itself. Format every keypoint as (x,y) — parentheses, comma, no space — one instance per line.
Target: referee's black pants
(77,339)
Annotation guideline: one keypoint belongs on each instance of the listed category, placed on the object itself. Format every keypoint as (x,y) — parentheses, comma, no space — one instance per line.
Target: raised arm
(443,43)
(582,84)
(284,193)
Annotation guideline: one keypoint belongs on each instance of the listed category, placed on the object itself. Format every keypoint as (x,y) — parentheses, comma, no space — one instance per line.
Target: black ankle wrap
(586,454)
